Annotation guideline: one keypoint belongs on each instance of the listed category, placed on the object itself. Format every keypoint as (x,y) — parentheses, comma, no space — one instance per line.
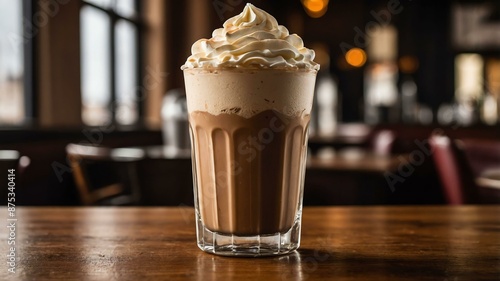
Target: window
(12,74)
(110,67)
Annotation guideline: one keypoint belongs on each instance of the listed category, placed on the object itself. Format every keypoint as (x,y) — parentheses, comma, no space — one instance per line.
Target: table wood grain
(339,243)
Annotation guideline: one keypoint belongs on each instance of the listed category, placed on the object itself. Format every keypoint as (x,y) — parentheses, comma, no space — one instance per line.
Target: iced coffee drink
(249,93)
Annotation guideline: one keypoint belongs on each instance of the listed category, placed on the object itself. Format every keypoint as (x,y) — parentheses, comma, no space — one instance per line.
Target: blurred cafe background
(407,104)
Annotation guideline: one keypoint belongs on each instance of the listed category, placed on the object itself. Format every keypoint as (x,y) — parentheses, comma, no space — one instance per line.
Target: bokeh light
(315,8)
(408,64)
(356,57)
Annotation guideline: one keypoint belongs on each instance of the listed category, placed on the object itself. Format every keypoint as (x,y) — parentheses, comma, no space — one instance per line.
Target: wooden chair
(454,171)
(104,176)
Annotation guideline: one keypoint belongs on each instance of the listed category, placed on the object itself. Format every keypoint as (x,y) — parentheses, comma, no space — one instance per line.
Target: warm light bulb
(315,8)
(356,57)
(315,5)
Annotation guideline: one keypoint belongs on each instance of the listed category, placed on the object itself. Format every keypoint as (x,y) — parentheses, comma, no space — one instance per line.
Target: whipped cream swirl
(251,39)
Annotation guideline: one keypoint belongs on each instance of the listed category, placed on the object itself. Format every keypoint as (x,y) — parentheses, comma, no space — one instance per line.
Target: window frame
(29,64)
(28,9)
(137,21)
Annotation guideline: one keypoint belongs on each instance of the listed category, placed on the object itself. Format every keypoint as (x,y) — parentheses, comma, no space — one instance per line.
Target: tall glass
(249,131)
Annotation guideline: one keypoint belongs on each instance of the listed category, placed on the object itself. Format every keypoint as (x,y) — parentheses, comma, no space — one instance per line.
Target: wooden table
(348,243)
(364,162)
(490,179)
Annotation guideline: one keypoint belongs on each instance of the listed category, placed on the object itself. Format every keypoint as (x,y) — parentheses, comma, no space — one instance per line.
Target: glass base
(248,246)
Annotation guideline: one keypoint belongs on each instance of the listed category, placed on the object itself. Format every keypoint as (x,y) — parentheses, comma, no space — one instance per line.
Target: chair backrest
(104,177)
(453,170)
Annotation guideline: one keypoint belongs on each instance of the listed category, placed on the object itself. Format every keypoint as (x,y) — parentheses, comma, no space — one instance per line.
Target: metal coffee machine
(175,126)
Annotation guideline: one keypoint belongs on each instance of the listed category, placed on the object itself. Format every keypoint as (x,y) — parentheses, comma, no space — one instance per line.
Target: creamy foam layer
(251,39)
(246,92)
